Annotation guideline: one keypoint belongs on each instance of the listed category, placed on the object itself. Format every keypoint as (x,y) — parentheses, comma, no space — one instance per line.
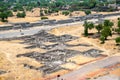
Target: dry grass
(9,50)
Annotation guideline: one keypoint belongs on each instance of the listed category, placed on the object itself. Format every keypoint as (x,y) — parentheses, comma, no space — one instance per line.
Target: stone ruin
(56,54)
(51,59)
(43,36)
(46,69)
(51,56)
(55,46)
(93,53)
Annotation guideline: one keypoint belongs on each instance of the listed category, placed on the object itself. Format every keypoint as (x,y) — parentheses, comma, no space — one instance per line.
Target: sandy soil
(116,72)
(9,50)
(80,59)
(14,47)
(77,30)
(34,15)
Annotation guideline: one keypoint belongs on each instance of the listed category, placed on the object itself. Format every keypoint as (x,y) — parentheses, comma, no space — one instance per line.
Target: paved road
(30,31)
(75,75)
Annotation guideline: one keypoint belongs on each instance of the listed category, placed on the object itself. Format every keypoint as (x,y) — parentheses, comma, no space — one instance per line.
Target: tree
(46,11)
(118,24)
(87,26)
(92,3)
(107,23)
(3,16)
(117,30)
(102,38)
(59,4)
(65,13)
(91,25)
(21,15)
(106,31)
(87,12)
(117,40)
(10,14)
(99,27)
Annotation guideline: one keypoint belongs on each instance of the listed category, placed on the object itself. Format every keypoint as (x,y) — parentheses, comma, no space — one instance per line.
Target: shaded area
(53,55)
(43,36)
(2,72)
(93,53)
(51,59)
(46,69)
(42,46)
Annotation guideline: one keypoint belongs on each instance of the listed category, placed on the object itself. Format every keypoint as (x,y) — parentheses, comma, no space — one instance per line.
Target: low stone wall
(54,22)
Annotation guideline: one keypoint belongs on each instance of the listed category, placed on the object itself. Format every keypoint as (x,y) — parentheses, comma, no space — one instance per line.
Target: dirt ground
(9,49)
(34,15)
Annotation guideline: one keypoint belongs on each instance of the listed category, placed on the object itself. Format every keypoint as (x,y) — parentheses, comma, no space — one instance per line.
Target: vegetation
(99,27)
(21,15)
(87,26)
(104,30)
(108,23)
(117,40)
(65,13)
(3,16)
(118,29)
(87,12)
(102,38)
(44,17)
(9,6)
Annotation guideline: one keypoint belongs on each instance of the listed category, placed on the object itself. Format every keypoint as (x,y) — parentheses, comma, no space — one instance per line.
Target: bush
(3,16)
(21,15)
(65,13)
(46,11)
(50,11)
(14,10)
(54,10)
(44,17)
(10,14)
(117,30)
(87,12)
(118,18)
(102,38)
(117,40)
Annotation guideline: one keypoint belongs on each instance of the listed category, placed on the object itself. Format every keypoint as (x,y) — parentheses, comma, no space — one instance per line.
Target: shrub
(10,14)
(87,12)
(3,16)
(65,13)
(117,40)
(44,17)
(102,38)
(46,11)
(118,18)
(21,15)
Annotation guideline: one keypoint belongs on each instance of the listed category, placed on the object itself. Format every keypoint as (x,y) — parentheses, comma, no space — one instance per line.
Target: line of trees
(21,5)
(105,30)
